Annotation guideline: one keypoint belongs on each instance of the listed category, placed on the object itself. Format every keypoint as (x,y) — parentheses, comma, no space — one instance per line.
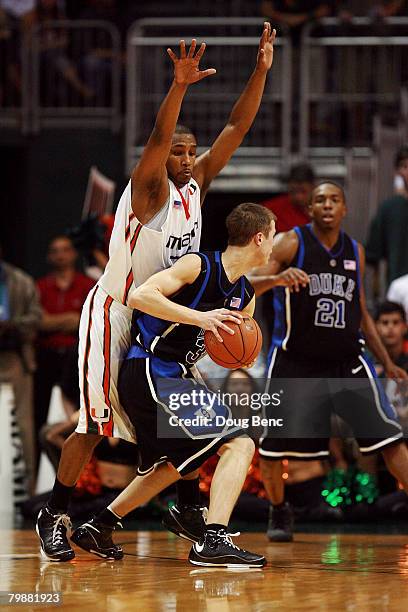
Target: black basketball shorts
(177,419)
(311,393)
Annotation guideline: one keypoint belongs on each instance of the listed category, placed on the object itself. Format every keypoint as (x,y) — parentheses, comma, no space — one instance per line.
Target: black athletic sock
(108,517)
(188,492)
(215,527)
(279,506)
(60,498)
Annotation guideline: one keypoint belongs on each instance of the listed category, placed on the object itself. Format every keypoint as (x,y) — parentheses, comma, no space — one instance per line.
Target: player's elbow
(239,129)
(137,298)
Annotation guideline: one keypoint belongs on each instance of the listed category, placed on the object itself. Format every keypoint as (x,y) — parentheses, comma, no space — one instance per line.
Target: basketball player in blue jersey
(318,338)
(157,221)
(173,308)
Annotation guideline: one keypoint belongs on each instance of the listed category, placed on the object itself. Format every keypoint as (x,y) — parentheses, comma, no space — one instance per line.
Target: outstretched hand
(186,67)
(294,278)
(264,59)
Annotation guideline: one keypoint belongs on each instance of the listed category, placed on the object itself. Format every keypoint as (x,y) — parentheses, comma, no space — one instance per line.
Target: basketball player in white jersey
(158,220)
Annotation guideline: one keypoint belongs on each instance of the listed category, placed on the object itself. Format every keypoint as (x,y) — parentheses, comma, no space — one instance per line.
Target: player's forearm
(261,284)
(245,109)
(168,115)
(52,322)
(151,301)
(63,322)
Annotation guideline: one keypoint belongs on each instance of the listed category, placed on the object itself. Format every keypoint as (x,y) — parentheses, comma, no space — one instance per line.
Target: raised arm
(149,178)
(210,163)
(153,296)
(369,329)
(278,273)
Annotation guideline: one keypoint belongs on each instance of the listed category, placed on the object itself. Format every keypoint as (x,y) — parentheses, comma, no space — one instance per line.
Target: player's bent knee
(88,441)
(242,445)
(192,475)
(395,451)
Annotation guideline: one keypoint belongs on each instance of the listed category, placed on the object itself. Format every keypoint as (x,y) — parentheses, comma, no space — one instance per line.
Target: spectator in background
(97,63)
(377,10)
(54,44)
(293,14)
(387,238)
(398,292)
(20,316)
(15,19)
(291,208)
(392,327)
(62,294)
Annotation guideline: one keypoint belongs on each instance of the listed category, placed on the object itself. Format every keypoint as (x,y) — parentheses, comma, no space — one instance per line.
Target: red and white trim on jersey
(127,230)
(130,278)
(186,203)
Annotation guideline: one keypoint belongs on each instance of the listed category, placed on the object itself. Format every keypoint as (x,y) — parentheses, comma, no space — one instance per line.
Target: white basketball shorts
(104,339)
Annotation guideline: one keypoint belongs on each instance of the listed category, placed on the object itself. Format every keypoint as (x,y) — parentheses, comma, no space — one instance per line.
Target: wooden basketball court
(365,573)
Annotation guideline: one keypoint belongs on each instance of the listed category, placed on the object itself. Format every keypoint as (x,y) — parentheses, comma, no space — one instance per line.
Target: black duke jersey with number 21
(322,320)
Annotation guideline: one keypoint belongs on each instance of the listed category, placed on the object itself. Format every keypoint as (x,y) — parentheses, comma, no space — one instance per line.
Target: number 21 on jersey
(330,313)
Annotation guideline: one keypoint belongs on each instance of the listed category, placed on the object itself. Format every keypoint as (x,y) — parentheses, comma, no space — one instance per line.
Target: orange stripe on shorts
(107,427)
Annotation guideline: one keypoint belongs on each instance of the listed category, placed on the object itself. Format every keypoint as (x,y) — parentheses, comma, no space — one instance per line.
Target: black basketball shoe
(186,521)
(280,523)
(96,538)
(217,549)
(53,529)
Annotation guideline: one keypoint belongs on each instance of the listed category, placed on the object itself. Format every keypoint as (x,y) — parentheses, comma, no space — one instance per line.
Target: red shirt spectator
(56,300)
(291,208)
(288,214)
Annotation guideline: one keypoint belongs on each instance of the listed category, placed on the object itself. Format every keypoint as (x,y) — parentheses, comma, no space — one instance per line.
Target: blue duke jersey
(322,321)
(185,343)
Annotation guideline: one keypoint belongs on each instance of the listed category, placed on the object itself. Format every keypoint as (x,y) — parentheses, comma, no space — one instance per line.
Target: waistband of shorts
(318,361)
(138,352)
(128,312)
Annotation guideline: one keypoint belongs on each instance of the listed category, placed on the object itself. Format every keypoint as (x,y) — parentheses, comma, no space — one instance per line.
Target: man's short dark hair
(301,173)
(388,308)
(330,182)
(183,129)
(246,220)
(401,155)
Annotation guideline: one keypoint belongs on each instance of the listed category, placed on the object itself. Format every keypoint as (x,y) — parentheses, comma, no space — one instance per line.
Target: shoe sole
(179,534)
(47,557)
(94,552)
(229,565)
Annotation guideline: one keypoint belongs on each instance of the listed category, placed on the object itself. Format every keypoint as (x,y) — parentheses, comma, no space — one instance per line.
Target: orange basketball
(238,350)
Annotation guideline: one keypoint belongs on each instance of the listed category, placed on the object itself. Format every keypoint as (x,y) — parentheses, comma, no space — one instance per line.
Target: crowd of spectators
(83,65)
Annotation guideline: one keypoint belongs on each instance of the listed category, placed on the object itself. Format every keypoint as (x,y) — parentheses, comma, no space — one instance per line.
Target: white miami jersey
(137,251)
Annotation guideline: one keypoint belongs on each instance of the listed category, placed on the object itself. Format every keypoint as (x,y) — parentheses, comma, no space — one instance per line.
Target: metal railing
(349,73)
(14,78)
(76,74)
(62,73)
(208,104)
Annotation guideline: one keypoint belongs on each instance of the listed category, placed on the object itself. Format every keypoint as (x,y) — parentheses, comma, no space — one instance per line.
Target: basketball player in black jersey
(317,338)
(174,307)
